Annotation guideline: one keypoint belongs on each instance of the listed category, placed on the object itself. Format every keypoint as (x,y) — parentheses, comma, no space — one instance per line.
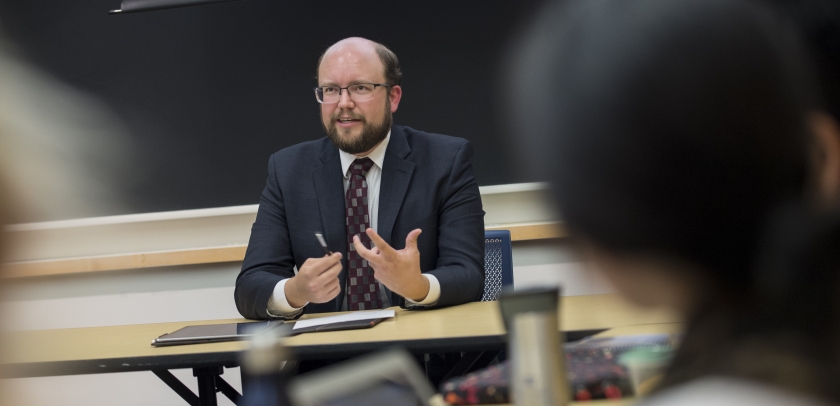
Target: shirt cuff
(278,306)
(431,298)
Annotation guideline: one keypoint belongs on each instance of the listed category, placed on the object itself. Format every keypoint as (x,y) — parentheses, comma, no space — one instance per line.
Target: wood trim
(532,231)
(65,266)
(208,255)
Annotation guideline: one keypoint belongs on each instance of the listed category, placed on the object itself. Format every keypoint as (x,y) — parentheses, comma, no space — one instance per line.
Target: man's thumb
(411,239)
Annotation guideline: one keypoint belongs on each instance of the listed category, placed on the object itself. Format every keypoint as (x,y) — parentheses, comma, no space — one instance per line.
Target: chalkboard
(207,93)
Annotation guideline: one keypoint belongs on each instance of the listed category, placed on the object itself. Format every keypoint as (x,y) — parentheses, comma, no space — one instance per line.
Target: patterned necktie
(362,288)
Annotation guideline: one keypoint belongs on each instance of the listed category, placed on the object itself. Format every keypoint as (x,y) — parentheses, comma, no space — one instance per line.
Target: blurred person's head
(359,118)
(818,21)
(7,212)
(4,214)
(676,140)
(63,151)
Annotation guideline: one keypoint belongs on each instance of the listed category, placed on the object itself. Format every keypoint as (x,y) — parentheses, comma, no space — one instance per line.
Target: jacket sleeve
(268,259)
(460,264)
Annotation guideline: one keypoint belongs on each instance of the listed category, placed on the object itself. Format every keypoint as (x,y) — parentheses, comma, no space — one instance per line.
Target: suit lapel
(396,176)
(329,189)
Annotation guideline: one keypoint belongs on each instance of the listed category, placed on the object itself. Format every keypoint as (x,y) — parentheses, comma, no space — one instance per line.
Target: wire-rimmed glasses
(358,92)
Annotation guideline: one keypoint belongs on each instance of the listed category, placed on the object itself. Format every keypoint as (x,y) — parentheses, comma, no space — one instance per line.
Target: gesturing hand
(399,270)
(316,281)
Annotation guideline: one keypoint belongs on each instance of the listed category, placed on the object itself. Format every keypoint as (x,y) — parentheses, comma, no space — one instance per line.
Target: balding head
(355,50)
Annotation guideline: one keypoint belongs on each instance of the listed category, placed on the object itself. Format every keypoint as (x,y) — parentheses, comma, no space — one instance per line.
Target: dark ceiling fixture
(134,6)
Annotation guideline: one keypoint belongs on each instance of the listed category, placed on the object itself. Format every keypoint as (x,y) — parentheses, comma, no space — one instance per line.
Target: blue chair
(498,263)
(498,272)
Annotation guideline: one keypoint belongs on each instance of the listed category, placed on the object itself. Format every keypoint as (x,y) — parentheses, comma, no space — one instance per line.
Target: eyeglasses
(358,92)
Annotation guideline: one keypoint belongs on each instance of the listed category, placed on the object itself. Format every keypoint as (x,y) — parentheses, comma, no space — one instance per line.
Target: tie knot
(360,166)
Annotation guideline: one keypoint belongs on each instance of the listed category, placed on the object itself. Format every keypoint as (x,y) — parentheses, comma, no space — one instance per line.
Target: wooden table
(468,327)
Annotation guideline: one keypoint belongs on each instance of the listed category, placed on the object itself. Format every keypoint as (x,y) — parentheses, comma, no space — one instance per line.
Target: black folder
(213,333)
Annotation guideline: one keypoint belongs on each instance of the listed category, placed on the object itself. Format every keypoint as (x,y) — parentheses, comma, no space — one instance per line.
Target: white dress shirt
(278,305)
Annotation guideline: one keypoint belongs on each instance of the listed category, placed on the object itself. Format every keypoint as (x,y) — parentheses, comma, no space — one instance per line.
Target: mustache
(350,115)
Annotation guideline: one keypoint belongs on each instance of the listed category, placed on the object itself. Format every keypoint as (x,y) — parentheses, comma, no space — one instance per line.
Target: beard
(372,133)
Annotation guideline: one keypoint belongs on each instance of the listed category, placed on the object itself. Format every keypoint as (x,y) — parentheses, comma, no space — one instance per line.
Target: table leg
(182,390)
(228,390)
(207,385)
(209,382)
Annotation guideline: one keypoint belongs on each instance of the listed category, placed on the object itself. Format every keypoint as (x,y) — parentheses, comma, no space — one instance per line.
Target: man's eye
(361,88)
(329,90)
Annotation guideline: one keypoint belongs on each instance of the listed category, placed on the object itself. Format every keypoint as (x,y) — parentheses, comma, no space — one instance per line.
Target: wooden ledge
(209,255)
(531,231)
(103,263)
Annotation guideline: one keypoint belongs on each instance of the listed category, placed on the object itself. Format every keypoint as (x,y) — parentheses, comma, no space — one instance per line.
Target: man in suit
(399,208)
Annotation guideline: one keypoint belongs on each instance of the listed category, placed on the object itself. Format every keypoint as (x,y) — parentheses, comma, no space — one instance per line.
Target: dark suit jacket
(427,183)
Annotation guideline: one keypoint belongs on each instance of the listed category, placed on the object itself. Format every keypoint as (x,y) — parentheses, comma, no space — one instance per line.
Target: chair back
(498,263)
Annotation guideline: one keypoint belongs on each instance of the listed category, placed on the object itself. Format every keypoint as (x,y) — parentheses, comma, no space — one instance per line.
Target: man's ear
(395,94)
(826,156)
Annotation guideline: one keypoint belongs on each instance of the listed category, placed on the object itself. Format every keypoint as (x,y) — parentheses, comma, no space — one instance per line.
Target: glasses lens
(361,92)
(330,94)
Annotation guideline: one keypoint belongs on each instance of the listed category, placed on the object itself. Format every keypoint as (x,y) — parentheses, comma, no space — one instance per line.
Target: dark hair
(819,24)
(677,128)
(393,74)
(670,120)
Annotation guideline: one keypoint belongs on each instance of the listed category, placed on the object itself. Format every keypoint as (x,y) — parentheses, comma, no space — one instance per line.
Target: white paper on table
(357,315)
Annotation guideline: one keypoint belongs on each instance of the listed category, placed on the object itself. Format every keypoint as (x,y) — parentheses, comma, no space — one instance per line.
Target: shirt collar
(377,155)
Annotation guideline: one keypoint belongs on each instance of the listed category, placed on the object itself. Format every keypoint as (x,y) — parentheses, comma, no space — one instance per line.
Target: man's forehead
(352,53)
(351,48)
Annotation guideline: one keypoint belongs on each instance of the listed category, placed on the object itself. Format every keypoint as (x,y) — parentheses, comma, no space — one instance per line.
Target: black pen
(323,243)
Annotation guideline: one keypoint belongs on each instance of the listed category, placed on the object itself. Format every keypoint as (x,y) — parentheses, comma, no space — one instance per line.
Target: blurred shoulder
(725,391)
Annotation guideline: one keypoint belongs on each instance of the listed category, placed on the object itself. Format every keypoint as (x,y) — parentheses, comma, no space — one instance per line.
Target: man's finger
(383,246)
(411,238)
(327,295)
(330,273)
(360,248)
(326,263)
(331,284)
(363,251)
(334,292)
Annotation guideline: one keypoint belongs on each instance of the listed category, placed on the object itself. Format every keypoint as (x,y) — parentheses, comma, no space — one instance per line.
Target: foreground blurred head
(669,129)
(5,213)
(819,23)
(675,134)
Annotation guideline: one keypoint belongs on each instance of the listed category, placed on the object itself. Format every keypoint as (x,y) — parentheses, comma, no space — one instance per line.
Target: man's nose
(344,100)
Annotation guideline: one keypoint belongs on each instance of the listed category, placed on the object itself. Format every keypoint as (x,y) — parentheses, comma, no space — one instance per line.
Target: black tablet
(213,333)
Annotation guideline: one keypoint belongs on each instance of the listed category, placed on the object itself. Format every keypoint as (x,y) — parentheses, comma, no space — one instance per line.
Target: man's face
(356,127)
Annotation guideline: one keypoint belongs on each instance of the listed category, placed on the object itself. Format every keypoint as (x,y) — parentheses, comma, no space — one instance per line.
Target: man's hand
(315,282)
(399,270)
